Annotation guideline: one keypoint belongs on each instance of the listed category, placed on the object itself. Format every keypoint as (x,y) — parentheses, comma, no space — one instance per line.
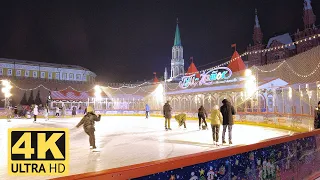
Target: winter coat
(180,118)
(147,108)
(317,118)
(167,111)
(74,111)
(216,117)
(88,121)
(227,111)
(202,112)
(35,111)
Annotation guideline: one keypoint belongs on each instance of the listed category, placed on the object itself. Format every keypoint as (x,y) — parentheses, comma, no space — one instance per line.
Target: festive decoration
(278,161)
(206,78)
(38,99)
(24,99)
(31,98)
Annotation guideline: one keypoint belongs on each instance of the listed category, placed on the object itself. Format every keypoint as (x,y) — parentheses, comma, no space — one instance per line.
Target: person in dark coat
(74,111)
(227,111)
(167,115)
(202,114)
(88,122)
(317,117)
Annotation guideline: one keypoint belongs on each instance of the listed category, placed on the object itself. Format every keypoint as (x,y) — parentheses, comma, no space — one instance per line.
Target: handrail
(143,169)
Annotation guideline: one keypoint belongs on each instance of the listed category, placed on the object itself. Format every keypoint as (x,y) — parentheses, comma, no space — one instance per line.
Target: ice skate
(91,147)
(95,150)
(230,142)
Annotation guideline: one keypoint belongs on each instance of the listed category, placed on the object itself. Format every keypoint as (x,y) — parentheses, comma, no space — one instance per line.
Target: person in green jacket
(181,119)
(216,120)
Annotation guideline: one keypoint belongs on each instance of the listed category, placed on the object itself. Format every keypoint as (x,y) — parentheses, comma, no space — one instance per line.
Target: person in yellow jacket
(181,119)
(216,120)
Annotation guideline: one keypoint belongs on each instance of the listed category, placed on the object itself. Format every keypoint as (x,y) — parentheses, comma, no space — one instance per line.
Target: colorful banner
(297,159)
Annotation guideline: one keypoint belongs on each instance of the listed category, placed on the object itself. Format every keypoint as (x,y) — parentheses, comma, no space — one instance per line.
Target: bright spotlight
(97,92)
(158,93)
(6,88)
(248,72)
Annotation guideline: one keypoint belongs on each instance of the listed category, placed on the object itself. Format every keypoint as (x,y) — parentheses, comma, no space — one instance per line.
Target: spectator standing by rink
(167,115)
(202,114)
(147,111)
(228,112)
(216,120)
(35,113)
(317,117)
(88,122)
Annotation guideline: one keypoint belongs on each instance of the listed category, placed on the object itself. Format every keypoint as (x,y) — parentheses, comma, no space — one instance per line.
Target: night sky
(124,41)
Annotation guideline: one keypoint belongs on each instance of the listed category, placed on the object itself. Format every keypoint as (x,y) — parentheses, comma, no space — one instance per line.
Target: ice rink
(130,140)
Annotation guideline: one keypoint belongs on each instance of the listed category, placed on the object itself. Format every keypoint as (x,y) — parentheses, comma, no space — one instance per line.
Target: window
(58,76)
(43,74)
(26,73)
(35,74)
(50,75)
(78,77)
(65,76)
(9,73)
(71,76)
(1,71)
(18,72)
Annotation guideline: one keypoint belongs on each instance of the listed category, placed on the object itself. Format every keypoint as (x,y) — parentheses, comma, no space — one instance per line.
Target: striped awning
(70,95)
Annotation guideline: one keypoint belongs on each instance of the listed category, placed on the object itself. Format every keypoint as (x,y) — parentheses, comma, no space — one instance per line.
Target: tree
(24,99)
(38,99)
(31,99)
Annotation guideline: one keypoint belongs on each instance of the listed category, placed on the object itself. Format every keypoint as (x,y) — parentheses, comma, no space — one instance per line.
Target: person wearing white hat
(88,122)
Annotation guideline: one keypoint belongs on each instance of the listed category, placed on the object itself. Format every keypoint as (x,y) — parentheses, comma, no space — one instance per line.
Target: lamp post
(97,93)
(6,91)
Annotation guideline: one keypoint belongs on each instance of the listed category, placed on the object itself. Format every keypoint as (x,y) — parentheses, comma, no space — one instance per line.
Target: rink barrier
(294,156)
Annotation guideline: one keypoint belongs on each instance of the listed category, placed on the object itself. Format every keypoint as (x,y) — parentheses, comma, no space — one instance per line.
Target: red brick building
(273,56)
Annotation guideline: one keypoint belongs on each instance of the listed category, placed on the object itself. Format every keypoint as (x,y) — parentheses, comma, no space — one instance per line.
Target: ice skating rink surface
(130,140)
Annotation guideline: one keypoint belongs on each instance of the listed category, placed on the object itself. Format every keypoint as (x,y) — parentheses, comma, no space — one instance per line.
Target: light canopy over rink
(131,140)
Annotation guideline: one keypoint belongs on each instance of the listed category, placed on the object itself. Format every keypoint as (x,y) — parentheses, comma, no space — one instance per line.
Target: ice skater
(147,111)
(202,114)
(57,111)
(35,113)
(167,115)
(46,113)
(317,117)
(88,122)
(216,120)
(228,112)
(181,119)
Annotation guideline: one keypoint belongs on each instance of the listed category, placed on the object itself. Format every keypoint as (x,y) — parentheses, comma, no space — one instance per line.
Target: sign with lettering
(208,77)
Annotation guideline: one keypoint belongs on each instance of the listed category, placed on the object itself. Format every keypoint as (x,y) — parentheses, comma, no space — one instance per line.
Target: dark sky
(129,40)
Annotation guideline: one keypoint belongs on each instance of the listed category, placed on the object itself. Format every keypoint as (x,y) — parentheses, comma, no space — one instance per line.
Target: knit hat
(89,109)
(215,107)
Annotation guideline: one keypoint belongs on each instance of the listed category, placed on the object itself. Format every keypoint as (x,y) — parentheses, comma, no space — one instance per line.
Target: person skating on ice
(147,111)
(181,119)
(216,120)
(35,113)
(228,112)
(202,114)
(167,115)
(88,122)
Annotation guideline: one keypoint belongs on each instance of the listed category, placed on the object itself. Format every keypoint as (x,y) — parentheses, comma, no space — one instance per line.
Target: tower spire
(309,18)
(256,19)
(257,33)
(177,40)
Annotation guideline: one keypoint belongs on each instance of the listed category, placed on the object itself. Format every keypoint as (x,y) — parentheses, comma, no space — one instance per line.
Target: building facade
(20,69)
(257,59)
(177,61)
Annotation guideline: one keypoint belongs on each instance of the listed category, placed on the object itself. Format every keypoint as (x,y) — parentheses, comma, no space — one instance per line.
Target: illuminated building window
(18,72)
(43,74)
(9,73)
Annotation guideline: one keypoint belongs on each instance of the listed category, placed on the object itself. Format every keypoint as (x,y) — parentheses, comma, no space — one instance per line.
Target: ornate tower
(177,61)
(309,20)
(256,58)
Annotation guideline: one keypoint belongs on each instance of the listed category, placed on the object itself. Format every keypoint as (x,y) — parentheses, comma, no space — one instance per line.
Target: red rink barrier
(144,169)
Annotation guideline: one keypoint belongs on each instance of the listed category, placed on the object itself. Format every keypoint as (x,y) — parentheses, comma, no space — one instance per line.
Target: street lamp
(6,91)
(250,83)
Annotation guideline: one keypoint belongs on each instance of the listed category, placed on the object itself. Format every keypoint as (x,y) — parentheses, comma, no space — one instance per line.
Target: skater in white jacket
(35,113)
